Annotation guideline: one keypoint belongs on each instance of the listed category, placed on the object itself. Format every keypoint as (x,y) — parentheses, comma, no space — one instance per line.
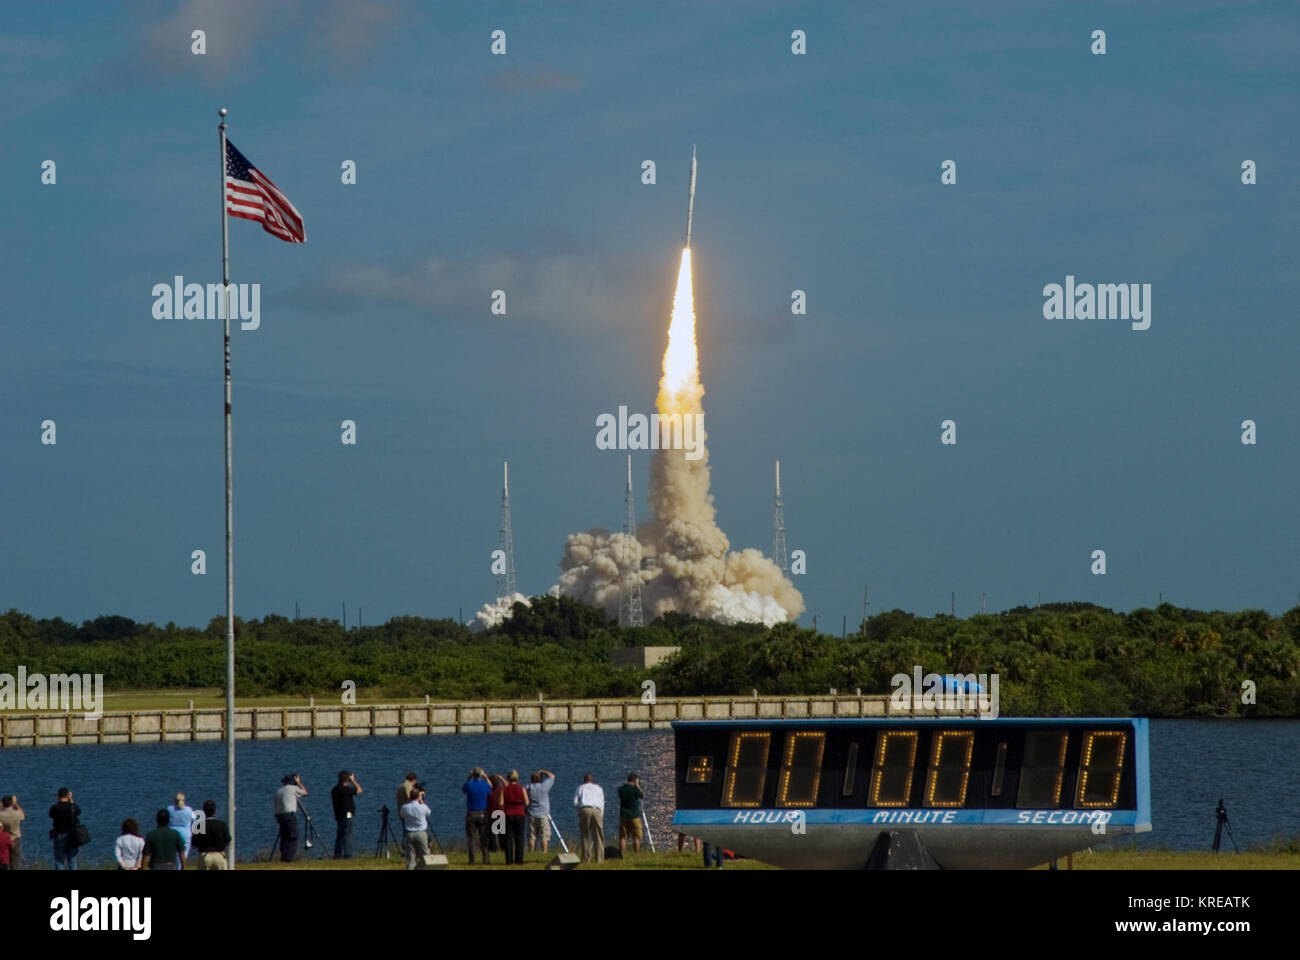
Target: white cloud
(567,290)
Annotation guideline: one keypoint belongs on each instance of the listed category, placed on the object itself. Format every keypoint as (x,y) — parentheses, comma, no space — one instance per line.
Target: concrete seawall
(523,716)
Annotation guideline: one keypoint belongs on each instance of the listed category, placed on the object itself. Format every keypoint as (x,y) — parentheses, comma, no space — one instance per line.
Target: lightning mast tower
(629,593)
(778,527)
(506,539)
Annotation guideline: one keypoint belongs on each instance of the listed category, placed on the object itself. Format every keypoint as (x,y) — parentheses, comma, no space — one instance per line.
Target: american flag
(251,195)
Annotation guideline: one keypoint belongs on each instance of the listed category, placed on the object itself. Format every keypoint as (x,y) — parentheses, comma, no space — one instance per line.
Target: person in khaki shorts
(630,796)
(539,809)
(589,798)
(11,818)
(212,840)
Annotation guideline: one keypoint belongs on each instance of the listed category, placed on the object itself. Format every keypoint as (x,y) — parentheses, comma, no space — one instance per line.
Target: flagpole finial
(221,112)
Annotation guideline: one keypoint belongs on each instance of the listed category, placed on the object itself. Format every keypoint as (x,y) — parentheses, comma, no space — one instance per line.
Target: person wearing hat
(181,819)
(286,814)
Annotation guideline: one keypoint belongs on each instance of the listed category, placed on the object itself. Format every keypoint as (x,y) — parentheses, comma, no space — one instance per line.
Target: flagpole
(230,522)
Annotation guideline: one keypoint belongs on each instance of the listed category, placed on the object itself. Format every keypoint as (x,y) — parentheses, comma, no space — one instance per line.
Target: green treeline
(1067,659)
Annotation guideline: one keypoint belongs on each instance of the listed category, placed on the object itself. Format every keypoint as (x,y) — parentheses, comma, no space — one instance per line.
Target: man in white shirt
(589,798)
(415,828)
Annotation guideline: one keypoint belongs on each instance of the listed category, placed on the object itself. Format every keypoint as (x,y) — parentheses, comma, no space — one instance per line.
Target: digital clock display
(919,766)
(828,791)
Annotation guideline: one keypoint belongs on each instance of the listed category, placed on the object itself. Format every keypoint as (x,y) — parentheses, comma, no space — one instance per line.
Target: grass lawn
(532,861)
(1122,859)
(1125,859)
(210,697)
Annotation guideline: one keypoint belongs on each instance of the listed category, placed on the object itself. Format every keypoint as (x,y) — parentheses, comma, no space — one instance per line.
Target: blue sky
(522,172)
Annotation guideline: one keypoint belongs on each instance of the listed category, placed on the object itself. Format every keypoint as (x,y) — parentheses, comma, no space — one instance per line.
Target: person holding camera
(630,797)
(539,809)
(415,828)
(63,818)
(476,789)
(343,797)
(286,814)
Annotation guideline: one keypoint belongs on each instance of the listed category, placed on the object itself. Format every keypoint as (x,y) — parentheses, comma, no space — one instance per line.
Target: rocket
(690,200)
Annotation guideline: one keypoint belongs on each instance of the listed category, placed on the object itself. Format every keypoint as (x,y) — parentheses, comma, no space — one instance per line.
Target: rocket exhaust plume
(684,560)
(699,573)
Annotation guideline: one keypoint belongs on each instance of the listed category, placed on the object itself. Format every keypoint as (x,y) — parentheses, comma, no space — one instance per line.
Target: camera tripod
(388,837)
(386,831)
(1221,824)
(311,837)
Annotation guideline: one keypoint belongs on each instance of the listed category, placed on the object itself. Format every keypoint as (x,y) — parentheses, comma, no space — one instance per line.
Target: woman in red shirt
(496,800)
(516,807)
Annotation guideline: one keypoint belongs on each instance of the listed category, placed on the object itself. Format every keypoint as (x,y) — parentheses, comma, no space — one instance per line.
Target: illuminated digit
(746,769)
(891,776)
(949,775)
(1100,764)
(801,772)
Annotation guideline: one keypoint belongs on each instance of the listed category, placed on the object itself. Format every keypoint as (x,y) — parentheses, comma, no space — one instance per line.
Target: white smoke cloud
(497,612)
(683,561)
